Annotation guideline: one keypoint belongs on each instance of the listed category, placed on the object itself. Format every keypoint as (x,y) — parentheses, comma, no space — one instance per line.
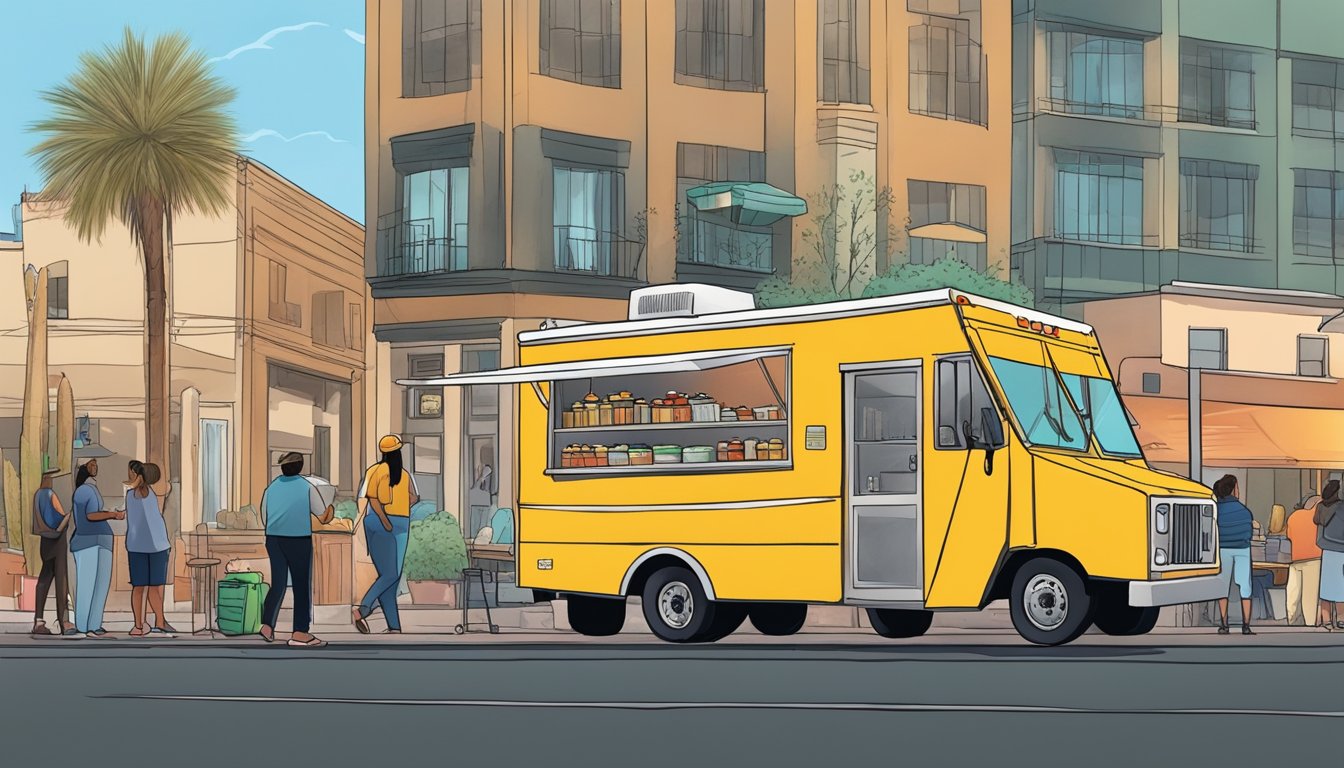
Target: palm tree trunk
(157,428)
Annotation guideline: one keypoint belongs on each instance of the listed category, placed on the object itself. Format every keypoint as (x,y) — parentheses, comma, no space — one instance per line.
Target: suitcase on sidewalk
(238,607)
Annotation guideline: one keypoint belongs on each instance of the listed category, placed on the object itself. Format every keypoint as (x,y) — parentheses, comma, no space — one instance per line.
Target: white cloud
(269,133)
(358,38)
(260,44)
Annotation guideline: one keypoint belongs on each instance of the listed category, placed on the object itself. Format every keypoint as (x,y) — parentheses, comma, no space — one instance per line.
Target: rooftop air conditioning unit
(686,300)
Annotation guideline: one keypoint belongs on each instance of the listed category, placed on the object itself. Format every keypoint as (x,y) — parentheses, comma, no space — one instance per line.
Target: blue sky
(298,66)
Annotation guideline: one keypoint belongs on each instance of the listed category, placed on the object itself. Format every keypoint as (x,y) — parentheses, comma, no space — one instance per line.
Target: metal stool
(465,626)
(204,567)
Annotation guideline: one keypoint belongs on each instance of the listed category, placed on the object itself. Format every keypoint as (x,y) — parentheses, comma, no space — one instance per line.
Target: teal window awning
(751,203)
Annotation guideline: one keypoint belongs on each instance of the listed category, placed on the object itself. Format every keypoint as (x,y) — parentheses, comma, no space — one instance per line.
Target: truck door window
(962,398)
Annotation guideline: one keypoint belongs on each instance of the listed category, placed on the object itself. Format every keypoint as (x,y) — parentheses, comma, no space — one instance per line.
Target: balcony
(585,250)
(416,247)
(704,241)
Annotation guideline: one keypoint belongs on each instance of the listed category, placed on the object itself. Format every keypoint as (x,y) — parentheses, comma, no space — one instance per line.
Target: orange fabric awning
(1236,435)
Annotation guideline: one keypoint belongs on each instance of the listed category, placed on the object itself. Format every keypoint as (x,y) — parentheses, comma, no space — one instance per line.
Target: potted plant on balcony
(435,557)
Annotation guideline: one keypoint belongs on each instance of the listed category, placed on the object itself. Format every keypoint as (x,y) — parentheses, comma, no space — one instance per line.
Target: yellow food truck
(932,451)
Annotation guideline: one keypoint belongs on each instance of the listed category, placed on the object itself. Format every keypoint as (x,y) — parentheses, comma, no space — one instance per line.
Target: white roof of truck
(778,315)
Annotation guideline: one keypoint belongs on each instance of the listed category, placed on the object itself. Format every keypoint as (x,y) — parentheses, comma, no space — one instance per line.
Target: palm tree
(141,134)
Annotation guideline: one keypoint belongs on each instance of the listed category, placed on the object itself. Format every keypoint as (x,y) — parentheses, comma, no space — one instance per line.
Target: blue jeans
(1236,569)
(388,551)
(93,577)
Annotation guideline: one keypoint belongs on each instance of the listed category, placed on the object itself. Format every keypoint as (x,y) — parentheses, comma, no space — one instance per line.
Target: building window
(709,238)
(1313,357)
(441,46)
(482,399)
(58,291)
(1318,97)
(1217,86)
(280,308)
(357,331)
(424,402)
(1152,383)
(721,44)
(433,226)
(581,41)
(846,70)
(1218,205)
(329,318)
(1208,349)
(936,202)
(588,214)
(946,62)
(1096,75)
(1098,197)
(1318,213)
(927,250)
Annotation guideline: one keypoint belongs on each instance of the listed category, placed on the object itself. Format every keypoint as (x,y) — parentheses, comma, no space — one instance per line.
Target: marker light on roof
(963,299)
(1038,326)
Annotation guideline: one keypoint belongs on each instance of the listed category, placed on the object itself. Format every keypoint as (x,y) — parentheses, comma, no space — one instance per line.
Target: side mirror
(947,437)
(992,432)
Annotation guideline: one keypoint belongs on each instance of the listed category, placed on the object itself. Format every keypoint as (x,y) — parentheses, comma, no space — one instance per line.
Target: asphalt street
(622,704)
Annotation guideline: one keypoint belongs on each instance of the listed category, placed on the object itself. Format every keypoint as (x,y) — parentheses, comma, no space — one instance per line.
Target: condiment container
(640,455)
(749,448)
(721,451)
(618,456)
(703,408)
(600,452)
(745,414)
(727,414)
(643,415)
(666,454)
(776,449)
(697,454)
(606,416)
(736,450)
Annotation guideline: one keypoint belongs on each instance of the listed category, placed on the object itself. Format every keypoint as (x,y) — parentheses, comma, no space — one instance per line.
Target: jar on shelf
(727,414)
(667,454)
(606,415)
(640,455)
(600,455)
(576,414)
(736,450)
(721,451)
(749,449)
(662,411)
(681,409)
(623,409)
(566,419)
(745,414)
(776,449)
(618,456)
(643,414)
(704,408)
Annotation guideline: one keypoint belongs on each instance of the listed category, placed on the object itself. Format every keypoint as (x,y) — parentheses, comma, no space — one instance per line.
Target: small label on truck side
(815,439)
(545,565)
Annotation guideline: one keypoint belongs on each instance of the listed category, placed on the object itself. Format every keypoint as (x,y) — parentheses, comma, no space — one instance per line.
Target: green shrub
(435,550)
(948,273)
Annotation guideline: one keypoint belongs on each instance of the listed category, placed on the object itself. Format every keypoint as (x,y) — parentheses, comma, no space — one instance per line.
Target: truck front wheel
(595,616)
(1050,604)
(1115,616)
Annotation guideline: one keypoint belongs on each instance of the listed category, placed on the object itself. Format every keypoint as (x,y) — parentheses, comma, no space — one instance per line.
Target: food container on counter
(662,411)
(749,448)
(697,454)
(667,454)
(774,449)
(590,403)
(681,407)
(605,415)
(745,414)
(623,408)
(704,408)
(567,457)
(618,456)
(640,455)
(727,414)
(567,419)
(601,455)
(736,450)
(721,451)
(766,413)
(576,414)
(643,415)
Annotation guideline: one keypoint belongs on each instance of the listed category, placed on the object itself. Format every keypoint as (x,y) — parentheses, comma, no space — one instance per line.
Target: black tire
(727,618)
(676,607)
(1115,616)
(778,619)
(1058,608)
(596,616)
(899,622)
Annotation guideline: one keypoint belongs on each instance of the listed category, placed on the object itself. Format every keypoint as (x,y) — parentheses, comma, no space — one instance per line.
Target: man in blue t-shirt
(1235,527)
(288,507)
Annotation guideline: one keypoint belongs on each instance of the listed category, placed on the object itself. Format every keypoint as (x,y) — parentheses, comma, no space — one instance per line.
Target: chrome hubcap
(1047,602)
(676,607)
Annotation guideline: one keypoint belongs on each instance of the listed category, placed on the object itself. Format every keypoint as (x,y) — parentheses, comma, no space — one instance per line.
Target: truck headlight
(1162,518)
(1160,556)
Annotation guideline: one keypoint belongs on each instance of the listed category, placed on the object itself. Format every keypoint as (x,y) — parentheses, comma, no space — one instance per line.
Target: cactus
(13,500)
(65,427)
(36,412)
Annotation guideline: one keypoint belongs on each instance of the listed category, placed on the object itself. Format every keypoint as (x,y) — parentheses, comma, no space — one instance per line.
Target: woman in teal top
(91,546)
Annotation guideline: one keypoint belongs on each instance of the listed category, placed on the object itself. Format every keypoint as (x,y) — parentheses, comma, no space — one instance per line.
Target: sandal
(40,628)
(311,642)
(360,622)
(267,636)
(139,632)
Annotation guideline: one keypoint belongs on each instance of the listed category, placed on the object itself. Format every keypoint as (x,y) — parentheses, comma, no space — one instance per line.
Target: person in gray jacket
(1330,537)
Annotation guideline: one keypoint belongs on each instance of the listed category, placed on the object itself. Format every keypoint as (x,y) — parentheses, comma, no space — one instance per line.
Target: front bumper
(1195,589)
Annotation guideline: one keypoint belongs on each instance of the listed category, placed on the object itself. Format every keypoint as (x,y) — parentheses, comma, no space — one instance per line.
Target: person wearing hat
(390,492)
(288,506)
(50,523)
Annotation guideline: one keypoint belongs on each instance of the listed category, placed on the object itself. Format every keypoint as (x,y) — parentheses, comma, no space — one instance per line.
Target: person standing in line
(1330,538)
(391,493)
(1304,573)
(91,545)
(50,523)
(147,547)
(1234,550)
(288,507)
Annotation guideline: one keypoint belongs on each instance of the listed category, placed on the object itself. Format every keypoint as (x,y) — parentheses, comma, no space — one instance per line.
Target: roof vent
(686,300)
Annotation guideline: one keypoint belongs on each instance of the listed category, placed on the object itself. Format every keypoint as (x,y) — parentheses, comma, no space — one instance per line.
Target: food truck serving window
(732,416)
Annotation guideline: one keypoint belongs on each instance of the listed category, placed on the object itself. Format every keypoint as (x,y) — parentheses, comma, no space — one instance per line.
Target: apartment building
(1164,140)
(533,160)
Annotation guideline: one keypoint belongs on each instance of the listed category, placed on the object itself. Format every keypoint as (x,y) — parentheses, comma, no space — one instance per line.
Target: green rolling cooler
(241,596)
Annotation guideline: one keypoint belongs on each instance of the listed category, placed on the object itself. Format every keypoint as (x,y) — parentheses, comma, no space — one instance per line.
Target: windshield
(1104,414)
(1037,399)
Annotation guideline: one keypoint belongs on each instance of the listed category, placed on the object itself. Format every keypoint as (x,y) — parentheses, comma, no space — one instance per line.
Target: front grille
(1187,540)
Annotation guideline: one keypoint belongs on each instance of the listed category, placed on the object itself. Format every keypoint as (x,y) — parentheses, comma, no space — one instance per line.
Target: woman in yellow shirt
(390,492)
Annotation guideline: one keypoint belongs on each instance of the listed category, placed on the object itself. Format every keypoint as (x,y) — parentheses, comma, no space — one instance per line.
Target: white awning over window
(593,369)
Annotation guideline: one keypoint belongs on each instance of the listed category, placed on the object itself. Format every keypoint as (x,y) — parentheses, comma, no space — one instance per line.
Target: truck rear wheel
(1050,604)
(899,622)
(777,619)
(727,618)
(595,616)
(1115,616)
(676,607)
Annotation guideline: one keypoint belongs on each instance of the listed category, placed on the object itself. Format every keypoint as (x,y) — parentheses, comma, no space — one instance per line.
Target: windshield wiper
(1056,424)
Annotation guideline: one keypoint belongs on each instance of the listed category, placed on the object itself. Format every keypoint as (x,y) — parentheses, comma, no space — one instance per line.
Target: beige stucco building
(270,327)
(530,160)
